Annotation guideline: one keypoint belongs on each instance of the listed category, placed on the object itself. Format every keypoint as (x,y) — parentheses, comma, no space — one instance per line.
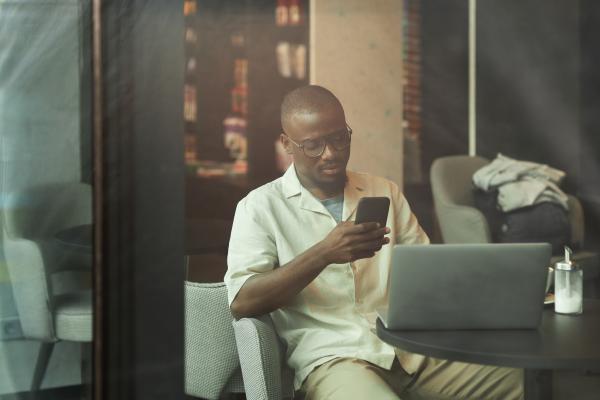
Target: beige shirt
(334,315)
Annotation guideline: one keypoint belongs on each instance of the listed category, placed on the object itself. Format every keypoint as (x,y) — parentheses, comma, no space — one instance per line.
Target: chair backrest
(452,189)
(452,179)
(41,211)
(30,219)
(211,356)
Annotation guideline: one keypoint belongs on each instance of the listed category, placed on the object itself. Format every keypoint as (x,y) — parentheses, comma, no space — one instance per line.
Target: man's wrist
(322,254)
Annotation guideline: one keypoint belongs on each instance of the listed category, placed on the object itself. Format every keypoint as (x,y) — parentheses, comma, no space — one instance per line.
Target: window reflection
(45,207)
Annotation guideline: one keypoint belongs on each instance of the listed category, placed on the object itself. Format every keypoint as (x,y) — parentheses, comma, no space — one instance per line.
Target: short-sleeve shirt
(335,314)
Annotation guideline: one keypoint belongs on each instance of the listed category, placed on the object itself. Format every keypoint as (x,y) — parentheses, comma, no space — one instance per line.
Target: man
(296,253)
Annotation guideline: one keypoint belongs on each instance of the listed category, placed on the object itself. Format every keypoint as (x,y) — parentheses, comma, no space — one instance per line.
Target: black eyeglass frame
(325,141)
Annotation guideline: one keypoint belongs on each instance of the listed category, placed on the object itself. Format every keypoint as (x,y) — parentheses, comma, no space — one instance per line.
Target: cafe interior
(129,132)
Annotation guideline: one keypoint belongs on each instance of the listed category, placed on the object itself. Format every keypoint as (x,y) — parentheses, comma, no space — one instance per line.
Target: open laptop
(467,286)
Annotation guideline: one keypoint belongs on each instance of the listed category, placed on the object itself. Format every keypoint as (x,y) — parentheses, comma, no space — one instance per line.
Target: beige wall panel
(356,52)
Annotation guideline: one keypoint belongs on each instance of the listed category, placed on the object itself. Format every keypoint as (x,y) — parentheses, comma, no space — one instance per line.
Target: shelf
(251,23)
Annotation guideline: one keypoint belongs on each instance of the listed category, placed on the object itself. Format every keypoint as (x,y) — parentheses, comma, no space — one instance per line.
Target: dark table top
(77,238)
(561,342)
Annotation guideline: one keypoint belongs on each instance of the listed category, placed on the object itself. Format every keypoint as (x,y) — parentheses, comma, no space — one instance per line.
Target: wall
(588,188)
(528,77)
(444,27)
(356,52)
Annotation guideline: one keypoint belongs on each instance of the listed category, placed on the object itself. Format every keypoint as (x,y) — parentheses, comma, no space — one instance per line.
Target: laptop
(467,286)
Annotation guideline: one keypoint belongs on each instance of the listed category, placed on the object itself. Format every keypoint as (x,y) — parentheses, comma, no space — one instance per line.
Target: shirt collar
(290,182)
(352,193)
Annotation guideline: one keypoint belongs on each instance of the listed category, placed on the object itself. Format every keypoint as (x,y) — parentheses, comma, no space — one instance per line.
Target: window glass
(46,199)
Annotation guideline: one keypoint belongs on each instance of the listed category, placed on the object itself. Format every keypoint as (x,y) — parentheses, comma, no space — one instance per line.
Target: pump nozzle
(568,253)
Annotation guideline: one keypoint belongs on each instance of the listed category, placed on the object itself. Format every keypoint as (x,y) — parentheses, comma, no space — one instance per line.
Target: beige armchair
(50,288)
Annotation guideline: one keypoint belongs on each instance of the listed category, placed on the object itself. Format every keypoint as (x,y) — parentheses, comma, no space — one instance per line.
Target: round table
(77,238)
(561,342)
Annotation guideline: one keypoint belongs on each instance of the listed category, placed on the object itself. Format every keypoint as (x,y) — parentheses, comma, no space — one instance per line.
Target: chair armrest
(211,357)
(462,224)
(266,375)
(25,264)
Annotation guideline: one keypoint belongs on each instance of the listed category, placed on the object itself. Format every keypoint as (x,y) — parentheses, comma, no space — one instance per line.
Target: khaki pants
(350,378)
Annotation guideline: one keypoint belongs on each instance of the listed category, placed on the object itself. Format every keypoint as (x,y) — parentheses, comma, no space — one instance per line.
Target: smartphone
(373,209)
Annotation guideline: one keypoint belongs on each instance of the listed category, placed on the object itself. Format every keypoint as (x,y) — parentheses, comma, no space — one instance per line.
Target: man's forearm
(271,290)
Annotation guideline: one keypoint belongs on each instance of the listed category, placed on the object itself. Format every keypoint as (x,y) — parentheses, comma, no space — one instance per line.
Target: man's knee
(347,379)
(448,380)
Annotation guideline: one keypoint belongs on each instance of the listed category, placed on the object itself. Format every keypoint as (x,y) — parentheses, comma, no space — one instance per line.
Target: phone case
(373,209)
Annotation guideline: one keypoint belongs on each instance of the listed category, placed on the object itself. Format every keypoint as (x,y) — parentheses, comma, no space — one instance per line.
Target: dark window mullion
(139,354)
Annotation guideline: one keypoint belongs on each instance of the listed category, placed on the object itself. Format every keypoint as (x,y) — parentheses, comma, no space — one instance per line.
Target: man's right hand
(348,242)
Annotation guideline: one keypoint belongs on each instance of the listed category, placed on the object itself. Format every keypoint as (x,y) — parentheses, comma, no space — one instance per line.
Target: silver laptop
(467,286)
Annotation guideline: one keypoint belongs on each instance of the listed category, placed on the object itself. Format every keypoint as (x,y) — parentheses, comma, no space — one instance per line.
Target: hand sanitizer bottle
(568,286)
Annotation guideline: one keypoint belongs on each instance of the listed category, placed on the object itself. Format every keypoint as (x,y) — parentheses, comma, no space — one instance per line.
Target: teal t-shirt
(335,206)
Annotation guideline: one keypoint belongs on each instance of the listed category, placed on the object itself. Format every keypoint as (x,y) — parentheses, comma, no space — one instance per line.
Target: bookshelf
(241,59)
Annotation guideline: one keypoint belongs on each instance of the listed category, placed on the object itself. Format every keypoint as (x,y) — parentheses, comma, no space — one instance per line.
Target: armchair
(461,222)
(53,301)
(226,356)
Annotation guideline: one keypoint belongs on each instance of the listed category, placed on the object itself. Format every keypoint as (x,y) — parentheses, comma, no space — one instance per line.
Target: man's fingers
(377,234)
(371,245)
(364,254)
(364,227)
(368,230)
(364,240)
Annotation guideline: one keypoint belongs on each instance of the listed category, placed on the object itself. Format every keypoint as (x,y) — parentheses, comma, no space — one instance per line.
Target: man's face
(329,169)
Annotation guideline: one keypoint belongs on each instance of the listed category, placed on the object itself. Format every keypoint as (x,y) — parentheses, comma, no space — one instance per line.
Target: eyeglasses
(314,148)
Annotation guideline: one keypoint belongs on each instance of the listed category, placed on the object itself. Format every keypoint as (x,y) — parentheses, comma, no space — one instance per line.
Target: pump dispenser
(568,286)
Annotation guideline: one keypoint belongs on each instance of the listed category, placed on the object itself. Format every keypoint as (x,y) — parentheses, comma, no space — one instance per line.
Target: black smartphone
(373,209)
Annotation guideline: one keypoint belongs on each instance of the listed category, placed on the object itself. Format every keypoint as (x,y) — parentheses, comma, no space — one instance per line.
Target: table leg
(538,384)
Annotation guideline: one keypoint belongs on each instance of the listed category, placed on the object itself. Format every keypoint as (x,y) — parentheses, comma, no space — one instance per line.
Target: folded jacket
(521,183)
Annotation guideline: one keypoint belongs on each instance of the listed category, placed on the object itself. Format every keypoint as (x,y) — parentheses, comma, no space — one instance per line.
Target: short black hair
(306,100)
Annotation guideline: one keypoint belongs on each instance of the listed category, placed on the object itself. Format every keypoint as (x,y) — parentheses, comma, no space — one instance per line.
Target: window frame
(138,179)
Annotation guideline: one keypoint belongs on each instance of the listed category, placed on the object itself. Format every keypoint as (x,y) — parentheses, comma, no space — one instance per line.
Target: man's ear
(287,145)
